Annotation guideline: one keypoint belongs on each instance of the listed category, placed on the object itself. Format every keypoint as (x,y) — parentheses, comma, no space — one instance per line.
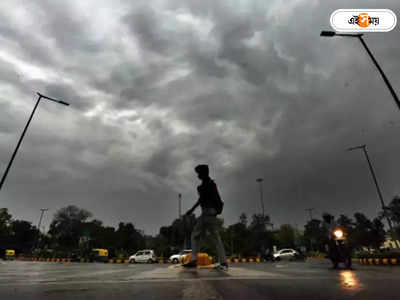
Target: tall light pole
(43,210)
(23,134)
(260,180)
(359,36)
(180,205)
(378,190)
(310,210)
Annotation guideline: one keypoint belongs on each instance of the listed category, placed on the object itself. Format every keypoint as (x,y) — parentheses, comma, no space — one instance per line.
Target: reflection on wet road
(349,280)
(283,280)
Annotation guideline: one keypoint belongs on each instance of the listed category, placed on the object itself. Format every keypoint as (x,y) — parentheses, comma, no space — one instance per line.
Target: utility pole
(378,190)
(310,210)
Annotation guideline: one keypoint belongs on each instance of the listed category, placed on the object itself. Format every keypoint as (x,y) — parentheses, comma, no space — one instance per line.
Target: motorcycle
(339,251)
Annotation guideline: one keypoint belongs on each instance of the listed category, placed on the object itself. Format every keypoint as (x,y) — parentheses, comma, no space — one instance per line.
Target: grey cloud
(258,97)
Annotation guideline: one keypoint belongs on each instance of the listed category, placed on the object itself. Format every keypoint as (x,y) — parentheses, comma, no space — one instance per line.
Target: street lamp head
(259,179)
(356,148)
(328,33)
(52,99)
(62,102)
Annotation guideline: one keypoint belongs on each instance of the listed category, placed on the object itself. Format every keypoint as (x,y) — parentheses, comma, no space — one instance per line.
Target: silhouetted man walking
(211,206)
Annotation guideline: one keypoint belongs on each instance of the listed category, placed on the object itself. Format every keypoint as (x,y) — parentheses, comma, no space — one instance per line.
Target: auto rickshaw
(100,255)
(9,254)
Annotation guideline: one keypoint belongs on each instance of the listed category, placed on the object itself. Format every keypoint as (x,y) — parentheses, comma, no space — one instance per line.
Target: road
(283,280)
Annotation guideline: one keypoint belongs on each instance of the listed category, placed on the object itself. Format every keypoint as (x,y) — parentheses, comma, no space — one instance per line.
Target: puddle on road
(349,281)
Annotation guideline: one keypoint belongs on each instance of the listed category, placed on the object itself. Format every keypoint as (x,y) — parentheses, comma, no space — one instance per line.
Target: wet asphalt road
(284,280)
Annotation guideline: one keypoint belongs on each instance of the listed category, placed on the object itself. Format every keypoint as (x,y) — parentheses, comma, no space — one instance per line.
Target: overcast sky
(157,87)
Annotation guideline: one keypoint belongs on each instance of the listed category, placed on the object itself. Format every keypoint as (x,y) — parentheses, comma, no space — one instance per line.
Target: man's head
(202,171)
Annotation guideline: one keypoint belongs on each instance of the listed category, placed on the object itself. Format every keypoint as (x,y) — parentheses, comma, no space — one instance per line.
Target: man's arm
(190,211)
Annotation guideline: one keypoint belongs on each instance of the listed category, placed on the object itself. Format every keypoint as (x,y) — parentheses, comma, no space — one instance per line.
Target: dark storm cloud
(24,40)
(156,88)
(144,23)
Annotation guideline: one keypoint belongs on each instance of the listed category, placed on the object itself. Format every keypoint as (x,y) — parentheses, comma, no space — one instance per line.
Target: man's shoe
(224,265)
(191,264)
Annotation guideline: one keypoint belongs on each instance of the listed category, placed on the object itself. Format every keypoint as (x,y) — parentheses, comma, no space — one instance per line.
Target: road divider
(378,261)
(203,259)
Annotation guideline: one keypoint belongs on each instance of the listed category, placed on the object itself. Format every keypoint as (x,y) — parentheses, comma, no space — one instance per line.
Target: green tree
(67,226)
(129,239)
(239,237)
(393,210)
(259,238)
(345,222)
(314,235)
(243,219)
(286,236)
(5,221)
(23,235)
(362,231)
(377,234)
(367,233)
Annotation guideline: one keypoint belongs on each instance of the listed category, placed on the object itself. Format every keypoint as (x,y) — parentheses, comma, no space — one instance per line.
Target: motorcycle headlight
(338,233)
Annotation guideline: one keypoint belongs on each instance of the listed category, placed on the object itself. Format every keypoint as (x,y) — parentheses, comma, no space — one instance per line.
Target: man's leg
(218,241)
(195,239)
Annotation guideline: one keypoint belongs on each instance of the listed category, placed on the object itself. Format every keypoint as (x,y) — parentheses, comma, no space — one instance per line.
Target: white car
(177,258)
(143,256)
(285,254)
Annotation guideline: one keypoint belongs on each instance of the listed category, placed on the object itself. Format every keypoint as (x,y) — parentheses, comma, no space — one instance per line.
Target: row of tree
(71,232)
(73,229)
(16,234)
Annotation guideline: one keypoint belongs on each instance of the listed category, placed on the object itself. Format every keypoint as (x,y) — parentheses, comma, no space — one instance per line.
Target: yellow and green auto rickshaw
(100,255)
(10,254)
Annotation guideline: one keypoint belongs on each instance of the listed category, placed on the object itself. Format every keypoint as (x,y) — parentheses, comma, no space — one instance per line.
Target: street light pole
(23,134)
(43,210)
(378,190)
(41,216)
(180,205)
(359,36)
(310,210)
(260,180)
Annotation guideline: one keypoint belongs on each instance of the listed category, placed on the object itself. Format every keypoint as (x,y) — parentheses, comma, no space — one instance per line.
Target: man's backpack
(219,204)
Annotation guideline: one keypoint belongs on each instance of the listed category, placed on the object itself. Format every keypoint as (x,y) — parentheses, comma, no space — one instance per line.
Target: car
(143,256)
(176,258)
(285,254)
